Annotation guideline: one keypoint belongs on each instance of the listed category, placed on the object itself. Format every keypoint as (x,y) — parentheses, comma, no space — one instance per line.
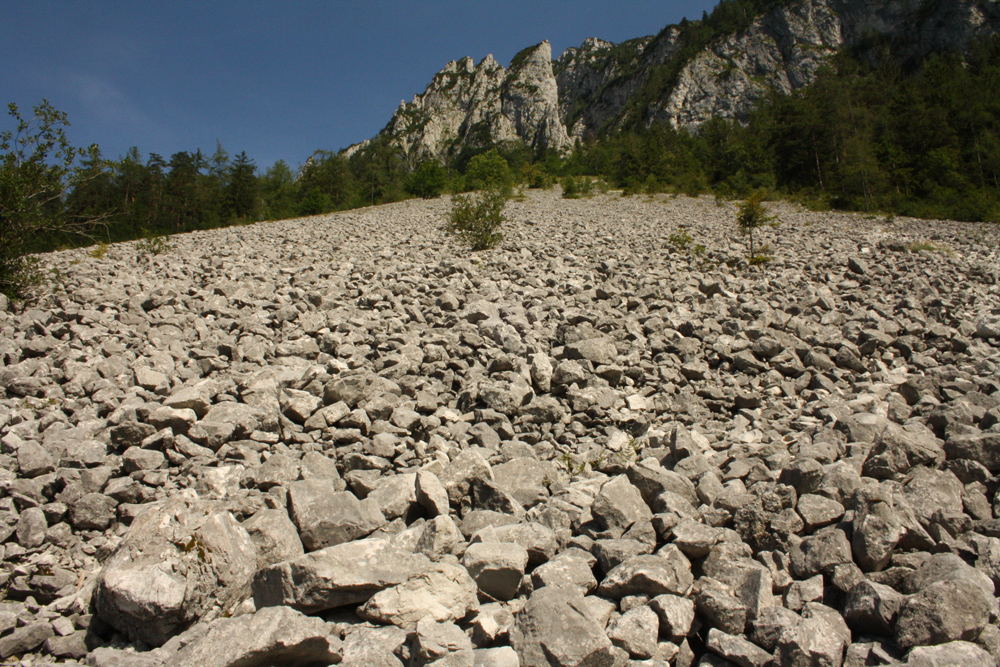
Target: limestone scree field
(610,441)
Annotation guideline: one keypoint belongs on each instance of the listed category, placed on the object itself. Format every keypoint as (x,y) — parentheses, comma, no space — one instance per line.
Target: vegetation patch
(752,216)
(476,219)
(929,246)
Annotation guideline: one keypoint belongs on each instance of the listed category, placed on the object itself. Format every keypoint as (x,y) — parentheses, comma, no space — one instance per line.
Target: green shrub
(315,202)
(36,173)
(570,190)
(536,178)
(489,171)
(574,188)
(753,215)
(762,256)
(428,180)
(477,218)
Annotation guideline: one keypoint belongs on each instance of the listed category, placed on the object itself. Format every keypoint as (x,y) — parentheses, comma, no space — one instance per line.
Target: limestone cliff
(786,47)
(479,105)
(600,87)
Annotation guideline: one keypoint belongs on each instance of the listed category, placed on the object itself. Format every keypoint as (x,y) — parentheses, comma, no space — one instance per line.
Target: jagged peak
(595,43)
(489,63)
(537,54)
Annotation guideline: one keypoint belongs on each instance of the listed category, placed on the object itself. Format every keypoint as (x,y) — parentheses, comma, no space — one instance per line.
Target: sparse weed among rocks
(99,251)
(681,239)
(917,246)
(153,245)
(763,256)
(753,215)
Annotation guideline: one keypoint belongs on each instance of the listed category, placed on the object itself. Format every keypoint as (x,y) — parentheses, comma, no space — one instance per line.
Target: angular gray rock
(737,650)
(667,571)
(820,638)
(952,654)
(440,645)
(636,632)
(275,535)
(272,635)
(336,576)
(676,614)
(872,608)
(555,628)
(326,517)
(619,505)
(443,592)
(496,567)
(943,611)
(179,559)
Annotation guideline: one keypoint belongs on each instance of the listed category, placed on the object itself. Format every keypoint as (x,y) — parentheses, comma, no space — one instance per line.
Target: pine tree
(242,193)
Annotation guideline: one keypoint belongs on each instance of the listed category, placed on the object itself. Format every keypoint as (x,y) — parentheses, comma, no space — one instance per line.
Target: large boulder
(275,535)
(326,517)
(667,571)
(340,575)
(181,559)
(442,592)
(950,601)
(555,629)
(272,636)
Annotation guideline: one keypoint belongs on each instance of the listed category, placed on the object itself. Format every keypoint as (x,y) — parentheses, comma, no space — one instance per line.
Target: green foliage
(860,138)
(753,215)
(99,251)
(152,245)
(427,180)
(928,246)
(315,202)
(36,171)
(488,171)
(570,190)
(477,218)
(574,188)
(278,192)
(536,176)
(241,195)
(680,239)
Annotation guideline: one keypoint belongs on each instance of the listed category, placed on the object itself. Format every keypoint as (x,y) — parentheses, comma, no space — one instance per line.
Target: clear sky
(275,79)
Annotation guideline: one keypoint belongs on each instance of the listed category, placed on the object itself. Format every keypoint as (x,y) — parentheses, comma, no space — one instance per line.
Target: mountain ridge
(601,87)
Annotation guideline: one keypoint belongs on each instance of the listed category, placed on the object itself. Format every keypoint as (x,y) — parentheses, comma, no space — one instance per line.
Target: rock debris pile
(345,440)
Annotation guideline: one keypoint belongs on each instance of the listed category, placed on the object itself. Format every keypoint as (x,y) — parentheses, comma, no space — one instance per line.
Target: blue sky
(275,79)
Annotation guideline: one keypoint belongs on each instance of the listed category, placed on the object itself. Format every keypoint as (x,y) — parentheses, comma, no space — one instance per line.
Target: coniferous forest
(919,139)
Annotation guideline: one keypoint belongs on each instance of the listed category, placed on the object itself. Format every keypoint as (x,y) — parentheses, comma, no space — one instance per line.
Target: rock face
(600,86)
(586,447)
(469,104)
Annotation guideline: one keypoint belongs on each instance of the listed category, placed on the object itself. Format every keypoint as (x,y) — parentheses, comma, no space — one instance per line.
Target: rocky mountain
(600,87)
